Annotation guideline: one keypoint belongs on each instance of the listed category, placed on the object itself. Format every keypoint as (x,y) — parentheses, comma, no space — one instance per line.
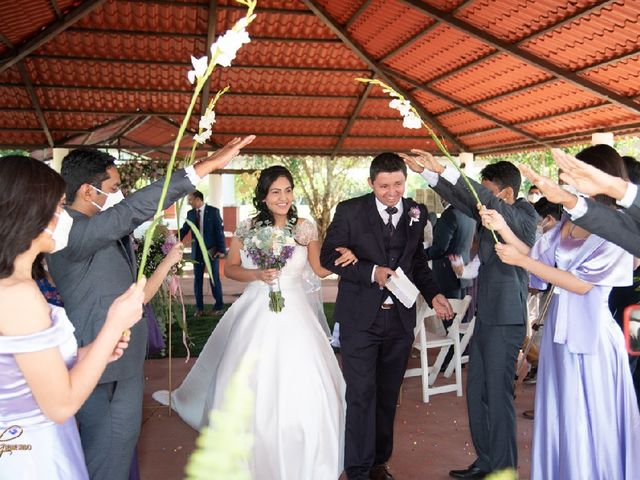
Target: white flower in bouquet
(199,68)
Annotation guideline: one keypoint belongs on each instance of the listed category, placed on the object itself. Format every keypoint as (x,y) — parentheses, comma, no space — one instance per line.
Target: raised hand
(221,158)
(586,178)
(443,308)
(550,189)
(347,257)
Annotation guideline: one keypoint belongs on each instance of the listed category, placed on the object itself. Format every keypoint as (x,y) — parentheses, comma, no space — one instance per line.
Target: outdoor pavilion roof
(490,76)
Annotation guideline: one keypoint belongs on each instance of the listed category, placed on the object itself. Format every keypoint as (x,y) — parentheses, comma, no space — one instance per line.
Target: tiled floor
(430,439)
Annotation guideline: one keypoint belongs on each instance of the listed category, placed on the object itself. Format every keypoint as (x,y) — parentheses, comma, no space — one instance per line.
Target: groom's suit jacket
(357,225)
(99,264)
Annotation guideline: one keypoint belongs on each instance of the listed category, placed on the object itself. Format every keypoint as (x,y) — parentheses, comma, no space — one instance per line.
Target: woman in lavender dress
(587,424)
(44,377)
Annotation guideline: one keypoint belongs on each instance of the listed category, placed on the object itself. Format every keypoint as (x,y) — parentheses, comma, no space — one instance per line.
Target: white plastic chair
(465,330)
(426,340)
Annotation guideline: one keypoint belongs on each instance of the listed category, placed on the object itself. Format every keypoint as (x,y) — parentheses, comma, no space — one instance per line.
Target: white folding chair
(426,340)
(465,330)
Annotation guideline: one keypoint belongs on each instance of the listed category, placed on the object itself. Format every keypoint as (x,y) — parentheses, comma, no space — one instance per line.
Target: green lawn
(201,327)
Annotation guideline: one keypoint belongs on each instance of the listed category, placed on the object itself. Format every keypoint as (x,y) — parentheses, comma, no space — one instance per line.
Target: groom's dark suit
(375,341)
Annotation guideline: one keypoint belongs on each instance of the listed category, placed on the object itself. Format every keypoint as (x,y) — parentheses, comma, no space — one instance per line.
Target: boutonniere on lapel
(414,215)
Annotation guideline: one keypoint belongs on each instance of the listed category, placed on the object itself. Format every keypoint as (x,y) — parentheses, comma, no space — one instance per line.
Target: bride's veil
(313,289)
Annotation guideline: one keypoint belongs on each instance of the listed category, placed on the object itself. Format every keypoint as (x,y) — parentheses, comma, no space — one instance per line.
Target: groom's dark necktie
(389,225)
(198,221)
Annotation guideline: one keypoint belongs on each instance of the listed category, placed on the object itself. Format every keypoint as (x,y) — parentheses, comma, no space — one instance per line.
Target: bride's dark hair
(267,177)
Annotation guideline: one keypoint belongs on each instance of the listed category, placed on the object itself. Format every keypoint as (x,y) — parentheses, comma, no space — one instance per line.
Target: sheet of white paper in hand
(403,288)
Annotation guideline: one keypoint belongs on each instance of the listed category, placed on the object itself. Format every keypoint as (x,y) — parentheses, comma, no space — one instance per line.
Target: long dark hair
(29,195)
(267,177)
(607,159)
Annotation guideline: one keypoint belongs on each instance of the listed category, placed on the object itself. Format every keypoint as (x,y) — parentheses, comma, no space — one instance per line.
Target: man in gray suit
(97,266)
(501,309)
(452,235)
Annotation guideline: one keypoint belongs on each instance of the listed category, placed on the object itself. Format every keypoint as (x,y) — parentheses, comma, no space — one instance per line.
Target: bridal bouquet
(270,247)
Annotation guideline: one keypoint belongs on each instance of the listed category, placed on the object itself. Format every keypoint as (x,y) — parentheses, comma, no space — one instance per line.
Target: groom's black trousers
(373,364)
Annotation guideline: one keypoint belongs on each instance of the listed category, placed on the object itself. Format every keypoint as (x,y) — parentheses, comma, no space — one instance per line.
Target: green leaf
(203,248)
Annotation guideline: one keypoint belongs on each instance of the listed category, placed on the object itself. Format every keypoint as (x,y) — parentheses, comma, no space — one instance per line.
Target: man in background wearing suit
(501,309)
(452,235)
(209,221)
(97,266)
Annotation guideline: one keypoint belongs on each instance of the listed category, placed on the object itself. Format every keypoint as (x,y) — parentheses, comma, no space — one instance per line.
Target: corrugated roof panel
(378,145)
(493,76)
(247,80)
(20,24)
(11,75)
(124,46)
(513,21)
(13,137)
(431,103)
(608,32)
(501,137)
(279,125)
(61,120)
(378,108)
(112,74)
(304,25)
(110,101)
(384,127)
(148,16)
(299,54)
(442,50)
(447,5)
(539,101)
(462,121)
(153,132)
(284,142)
(603,117)
(622,77)
(19,120)
(341,11)
(265,106)
(14,97)
(398,21)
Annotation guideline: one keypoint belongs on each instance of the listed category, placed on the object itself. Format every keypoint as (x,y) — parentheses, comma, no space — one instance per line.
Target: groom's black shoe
(380,472)
(471,472)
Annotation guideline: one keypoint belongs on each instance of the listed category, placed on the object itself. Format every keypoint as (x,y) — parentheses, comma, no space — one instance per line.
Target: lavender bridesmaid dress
(32,447)
(587,424)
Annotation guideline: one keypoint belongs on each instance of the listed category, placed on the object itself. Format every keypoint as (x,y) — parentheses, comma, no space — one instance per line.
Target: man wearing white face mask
(98,265)
(533,195)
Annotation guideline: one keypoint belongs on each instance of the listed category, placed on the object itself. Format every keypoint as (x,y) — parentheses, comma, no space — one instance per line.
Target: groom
(385,231)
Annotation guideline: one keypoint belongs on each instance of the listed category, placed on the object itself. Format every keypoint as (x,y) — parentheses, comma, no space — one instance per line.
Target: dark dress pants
(373,362)
(216,286)
(492,417)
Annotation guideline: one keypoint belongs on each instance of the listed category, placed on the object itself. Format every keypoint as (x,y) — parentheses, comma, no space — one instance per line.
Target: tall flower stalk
(413,120)
(223,51)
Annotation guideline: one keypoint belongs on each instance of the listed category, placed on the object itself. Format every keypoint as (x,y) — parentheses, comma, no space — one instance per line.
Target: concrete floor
(430,439)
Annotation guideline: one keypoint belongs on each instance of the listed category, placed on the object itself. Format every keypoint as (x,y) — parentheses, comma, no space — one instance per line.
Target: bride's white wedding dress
(298,423)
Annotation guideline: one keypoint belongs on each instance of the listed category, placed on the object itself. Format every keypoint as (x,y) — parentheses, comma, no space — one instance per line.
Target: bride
(298,422)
